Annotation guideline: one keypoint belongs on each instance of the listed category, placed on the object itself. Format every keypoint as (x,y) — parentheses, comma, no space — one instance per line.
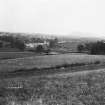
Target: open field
(13,55)
(83,89)
(73,88)
(48,61)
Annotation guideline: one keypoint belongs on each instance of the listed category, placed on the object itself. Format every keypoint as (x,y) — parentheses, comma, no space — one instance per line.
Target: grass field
(13,55)
(48,61)
(88,89)
(84,89)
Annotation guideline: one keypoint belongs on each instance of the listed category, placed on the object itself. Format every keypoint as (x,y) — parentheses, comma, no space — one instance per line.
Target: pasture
(48,61)
(88,89)
(54,89)
(13,55)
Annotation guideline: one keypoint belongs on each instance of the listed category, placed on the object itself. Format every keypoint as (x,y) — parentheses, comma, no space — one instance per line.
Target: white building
(34,45)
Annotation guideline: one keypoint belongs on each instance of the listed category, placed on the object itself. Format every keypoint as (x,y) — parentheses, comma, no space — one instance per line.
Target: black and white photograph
(52,52)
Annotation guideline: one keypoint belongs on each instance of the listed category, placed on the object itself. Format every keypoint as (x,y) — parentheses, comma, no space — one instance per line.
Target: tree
(21,45)
(94,47)
(98,48)
(53,43)
(88,46)
(1,44)
(39,48)
(15,42)
(80,47)
(18,44)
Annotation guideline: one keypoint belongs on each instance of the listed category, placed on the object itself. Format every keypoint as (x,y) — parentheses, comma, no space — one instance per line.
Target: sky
(61,17)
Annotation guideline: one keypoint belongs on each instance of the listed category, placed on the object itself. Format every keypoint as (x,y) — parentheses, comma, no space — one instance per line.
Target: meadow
(53,89)
(13,55)
(49,61)
(85,89)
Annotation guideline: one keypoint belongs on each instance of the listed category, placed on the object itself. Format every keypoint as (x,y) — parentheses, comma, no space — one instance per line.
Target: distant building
(34,45)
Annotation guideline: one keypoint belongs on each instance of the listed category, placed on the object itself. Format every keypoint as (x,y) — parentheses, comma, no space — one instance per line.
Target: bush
(39,48)
(80,48)
(93,48)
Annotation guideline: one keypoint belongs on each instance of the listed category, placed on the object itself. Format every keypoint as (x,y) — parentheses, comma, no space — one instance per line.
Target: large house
(34,45)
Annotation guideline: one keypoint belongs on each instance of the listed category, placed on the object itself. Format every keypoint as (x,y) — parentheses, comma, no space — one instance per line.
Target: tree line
(15,42)
(92,47)
(20,42)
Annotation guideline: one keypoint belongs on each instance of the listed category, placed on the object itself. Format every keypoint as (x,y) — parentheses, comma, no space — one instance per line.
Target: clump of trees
(15,42)
(19,44)
(53,43)
(98,48)
(39,48)
(80,48)
(92,48)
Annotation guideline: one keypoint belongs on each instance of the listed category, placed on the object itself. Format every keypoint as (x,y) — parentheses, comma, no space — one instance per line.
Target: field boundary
(50,71)
(78,73)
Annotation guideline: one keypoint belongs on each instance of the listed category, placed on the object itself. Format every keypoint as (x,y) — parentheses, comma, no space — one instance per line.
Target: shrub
(39,48)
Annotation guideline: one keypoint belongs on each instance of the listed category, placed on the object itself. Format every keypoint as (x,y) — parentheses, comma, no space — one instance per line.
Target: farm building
(34,45)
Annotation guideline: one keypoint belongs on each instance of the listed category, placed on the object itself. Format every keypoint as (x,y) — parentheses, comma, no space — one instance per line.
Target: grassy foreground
(88,89)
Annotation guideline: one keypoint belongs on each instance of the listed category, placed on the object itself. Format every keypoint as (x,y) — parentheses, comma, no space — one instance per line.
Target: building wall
(34,45)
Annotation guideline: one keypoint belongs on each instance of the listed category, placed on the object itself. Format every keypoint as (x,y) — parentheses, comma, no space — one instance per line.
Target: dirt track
(76,73)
